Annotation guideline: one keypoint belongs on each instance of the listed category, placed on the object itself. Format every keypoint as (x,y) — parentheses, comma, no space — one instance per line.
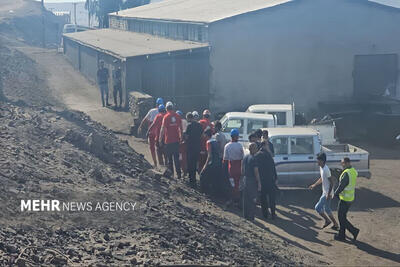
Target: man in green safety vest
(345,192)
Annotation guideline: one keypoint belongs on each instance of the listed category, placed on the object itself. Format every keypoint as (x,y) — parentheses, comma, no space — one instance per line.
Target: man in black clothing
(102,80)
(346,192)
(265,137)
(192,135)
(268,177)
(252,183)
(117,83)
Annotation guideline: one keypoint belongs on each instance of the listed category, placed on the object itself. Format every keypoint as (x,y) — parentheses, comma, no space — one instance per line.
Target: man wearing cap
(102,80)
(192,138)
(182,145)
(171,131)
(154,133)
(151,115)
(117,89)
(148,120)
(196,115)
(233,156)
(206,124)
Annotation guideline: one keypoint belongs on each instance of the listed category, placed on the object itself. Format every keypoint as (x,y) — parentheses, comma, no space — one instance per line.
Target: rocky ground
(63,155)
(49,152)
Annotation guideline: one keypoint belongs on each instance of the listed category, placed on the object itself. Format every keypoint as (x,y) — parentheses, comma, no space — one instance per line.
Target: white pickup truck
(246,123)
(296,150)
(284,115)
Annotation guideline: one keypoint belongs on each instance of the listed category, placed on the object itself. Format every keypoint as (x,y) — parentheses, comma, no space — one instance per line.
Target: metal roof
(248,115)
(269,107)
(303,131)
(390,3)
(124,44)
(202,11)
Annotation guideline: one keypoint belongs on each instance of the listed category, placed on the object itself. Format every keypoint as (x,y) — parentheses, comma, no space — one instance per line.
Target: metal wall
(71,50)
(182,79)
(301,51)
(88,63)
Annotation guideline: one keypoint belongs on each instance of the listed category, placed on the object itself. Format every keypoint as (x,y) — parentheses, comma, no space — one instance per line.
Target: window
(280,117)
(230,124)
(253,125)
(280,145)
(302,145)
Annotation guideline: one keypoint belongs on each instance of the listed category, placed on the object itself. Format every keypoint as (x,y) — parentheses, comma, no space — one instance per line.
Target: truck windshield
(280,117)
(301,145)
(229,124)
(253,125)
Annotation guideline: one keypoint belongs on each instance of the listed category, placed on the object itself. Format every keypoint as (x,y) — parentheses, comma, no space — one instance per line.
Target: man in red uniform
(182,145)
(147,121)
(154,134)
(206,124)
(233,156)
(171,131)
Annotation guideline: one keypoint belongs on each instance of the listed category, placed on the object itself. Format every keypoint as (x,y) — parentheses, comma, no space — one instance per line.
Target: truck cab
(296,151)
(246,123)
(284,114)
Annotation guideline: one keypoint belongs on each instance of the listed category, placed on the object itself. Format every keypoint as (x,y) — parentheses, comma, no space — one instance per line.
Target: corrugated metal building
(264,51)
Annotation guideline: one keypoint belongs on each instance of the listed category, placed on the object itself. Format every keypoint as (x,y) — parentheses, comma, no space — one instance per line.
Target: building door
(375,75)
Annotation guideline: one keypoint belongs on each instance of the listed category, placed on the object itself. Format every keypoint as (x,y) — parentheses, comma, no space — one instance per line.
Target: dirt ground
(376,210)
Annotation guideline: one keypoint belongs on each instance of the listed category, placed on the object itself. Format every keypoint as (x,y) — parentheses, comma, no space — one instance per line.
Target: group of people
(345,192)
(103,75)
(196,146)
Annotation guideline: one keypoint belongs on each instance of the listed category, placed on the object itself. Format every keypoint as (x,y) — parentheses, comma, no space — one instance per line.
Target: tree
(101,8)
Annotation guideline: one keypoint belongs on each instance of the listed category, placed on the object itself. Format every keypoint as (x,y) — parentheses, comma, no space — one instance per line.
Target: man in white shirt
(323,207)
(233,155)
(149,118)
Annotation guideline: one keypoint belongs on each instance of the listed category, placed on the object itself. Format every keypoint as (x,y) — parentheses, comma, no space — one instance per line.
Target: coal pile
(64,155)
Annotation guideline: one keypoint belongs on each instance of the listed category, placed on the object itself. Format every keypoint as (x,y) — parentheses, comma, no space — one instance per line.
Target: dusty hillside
(63,155)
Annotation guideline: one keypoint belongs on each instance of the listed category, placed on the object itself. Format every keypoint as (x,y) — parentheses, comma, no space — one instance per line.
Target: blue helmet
(160,101)
(234,132)
(180,113)
(161,108)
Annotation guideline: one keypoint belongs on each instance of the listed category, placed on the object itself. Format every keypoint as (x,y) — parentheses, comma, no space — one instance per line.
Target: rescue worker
(268,177)
(206,124)
(171,131)
(252,183)
(196,115)
(102,80)
(192,137)
(151,115)
(233,156)
(182,145)
(211,171)
(117,84)
(323,207)
(153,134)
(346,192)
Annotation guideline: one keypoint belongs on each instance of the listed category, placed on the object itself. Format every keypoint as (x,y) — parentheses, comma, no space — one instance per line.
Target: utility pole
(75,11)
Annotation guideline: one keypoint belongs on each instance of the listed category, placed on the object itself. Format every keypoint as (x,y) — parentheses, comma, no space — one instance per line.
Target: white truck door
(281,158)
(303,165)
